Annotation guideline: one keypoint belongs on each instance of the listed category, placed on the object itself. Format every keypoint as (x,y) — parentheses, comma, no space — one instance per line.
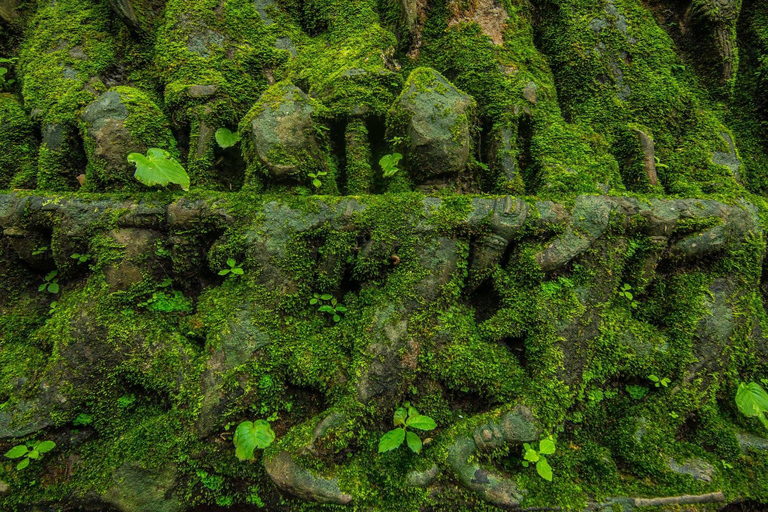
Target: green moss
(18,147)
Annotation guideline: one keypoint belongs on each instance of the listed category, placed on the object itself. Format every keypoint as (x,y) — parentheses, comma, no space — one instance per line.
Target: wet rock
(138,489)
(728,158)
(301,483)
(423,478)
(751,442)
(281,134)
(137,14)
(434,118)
(137,244)
(699,469)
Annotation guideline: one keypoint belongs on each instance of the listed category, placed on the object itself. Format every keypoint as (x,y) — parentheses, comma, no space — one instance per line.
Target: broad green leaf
(414,443)
(411,410)
(421,422)
(391,440)
(21,465)
(238,271)
(53,288)
(46,446)
(400,415)
(231,262)
(544,469)
(751,399)
(16,452)
(341,308)
(325,309)
(312,302)
(317,183)
(249,436)
(158,167)
(224,272)
(336,318)
(531,455)
(653,378)
(226,138)
(326,296)
(42,287)
(389,163)
(546,447)
(34,454)
(50,275)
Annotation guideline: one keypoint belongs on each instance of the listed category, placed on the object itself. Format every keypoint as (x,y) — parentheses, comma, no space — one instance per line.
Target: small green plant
(250,436)
(659,164)
(636,392)
(81,258)
(52,307)
(531,455)
(659,382)
(234,268)
(5,65)
(389,163)
(226,138)
(51,282)
(126,401)
(82,420)
(158,167)
(40,250)
(33,450)
(328,305)
(316,178)
(405,417)
(752,401)
(627,294)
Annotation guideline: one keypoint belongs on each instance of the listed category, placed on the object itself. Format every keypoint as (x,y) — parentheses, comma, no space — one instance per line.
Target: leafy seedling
(226,139)
(81,258)
(158,167)
(316,178)
(250,436)
(33,450)
(40,250)
(406,417)
(328,305)
(531,455)
(659,382)
(51,282)
(5,64)
(752,401)
(389,163)
(234,268)
(627,294)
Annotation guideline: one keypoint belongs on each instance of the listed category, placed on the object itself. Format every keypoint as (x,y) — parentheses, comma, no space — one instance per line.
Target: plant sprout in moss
(389,163)
(405,417)
(659,382)
(158,167)
(627,294)
(226,139)
(5,64)
(329,305)
(33,450)
(81,258)
(51,282)
(234,268)
(752,401)
(316,178)
(39,250)
(531,455)
(252,435)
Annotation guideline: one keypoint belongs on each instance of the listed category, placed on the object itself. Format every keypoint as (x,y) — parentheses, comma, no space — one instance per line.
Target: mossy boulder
(123,120)
(282,137)
(433,118)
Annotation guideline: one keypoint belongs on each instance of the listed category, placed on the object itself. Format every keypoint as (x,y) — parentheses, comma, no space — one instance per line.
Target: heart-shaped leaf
(391,440)
(158,167)
(226,138)
(252,435)
(546,447)
(751,399)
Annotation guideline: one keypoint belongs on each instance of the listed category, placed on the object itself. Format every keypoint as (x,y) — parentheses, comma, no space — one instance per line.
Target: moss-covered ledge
(503,318)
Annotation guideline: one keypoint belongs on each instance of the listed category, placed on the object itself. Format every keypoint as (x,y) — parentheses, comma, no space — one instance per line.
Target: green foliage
(33,450)
(165,303)
(158,167)
(40,250)
(659,382)
(316,178)
(627,294)
(250,436)
(405,417)
(51,282)
(389,163)
(234,268)
(752,401)
(328,304)
(82,420)
(226,139)
(81,258)
(5,80)
(636,392)
(531,455)
(126,401)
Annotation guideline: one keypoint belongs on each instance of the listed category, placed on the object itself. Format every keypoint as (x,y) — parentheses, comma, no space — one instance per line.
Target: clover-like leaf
(252,435)
(414,443)
(421,422)
(158,167)
(391,440)
(225,138)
